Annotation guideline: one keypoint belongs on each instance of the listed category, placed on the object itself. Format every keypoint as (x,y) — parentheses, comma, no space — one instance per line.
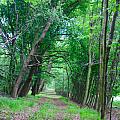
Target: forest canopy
(72,46)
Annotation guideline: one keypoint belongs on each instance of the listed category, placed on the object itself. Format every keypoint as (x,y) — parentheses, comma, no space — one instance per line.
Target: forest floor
(51,107)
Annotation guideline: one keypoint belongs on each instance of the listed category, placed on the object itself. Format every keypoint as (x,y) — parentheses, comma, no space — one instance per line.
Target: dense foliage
(71,45)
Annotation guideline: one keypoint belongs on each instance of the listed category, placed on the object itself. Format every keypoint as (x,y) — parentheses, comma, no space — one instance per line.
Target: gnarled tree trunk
(26,63)
(26,87)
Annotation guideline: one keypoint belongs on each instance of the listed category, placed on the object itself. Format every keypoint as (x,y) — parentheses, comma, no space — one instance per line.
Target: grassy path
(59,108)
(55,109)
(25,114)
(45,107)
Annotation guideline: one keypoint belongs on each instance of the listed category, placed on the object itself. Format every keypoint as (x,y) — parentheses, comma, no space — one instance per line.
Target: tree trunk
(12,69)
(113,75)
(103,63)
(63,85)
(111,35)
(34,87)
(111,109)
(68,89)
(100,58)
(39,79)
(26,63)
(105,57)
(41,85)
(112,29)
(90,62)
(26,87)
(38,85)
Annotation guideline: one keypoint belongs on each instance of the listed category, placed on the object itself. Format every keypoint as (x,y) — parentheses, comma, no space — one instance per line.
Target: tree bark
(90,61)
(41,85)
(112,29)
(26,87)
(103,63)
(113,75)
(111,35)
(34,87)
(26,63)
(100,59)
(68,82)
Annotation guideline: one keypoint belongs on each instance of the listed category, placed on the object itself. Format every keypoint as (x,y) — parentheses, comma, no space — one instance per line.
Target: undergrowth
(85,113)
(13,105)
(116,104)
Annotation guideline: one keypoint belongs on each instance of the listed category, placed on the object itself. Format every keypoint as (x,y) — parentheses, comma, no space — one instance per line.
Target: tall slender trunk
(111,35)
(97,96)
(113,74)
(103,63)
(112,29)
(63,85)
(41,85)
(90,61)
(39,81)
(26,63)
(68,89)
(12,69)
(100,59)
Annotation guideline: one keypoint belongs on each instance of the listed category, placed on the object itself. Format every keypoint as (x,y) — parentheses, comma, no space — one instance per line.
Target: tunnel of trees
(72,44)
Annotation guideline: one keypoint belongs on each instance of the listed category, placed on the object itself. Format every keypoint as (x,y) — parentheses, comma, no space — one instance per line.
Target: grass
(49,111)
(18,104)
(89,114)
(85,113)
(46,112)
(116,104)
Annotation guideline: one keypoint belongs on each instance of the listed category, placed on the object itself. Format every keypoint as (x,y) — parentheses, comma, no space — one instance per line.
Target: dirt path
(62,106)
(60,115)
(58,103)
(24,115)
(28,112)
(115,114)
